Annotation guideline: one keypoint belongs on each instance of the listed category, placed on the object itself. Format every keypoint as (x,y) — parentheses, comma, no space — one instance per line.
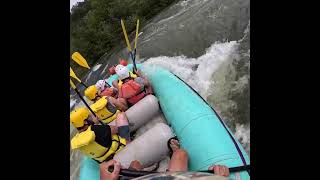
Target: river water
(207,44)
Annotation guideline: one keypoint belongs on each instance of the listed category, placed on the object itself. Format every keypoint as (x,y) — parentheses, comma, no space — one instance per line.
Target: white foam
(241,83)
(72,102)
(197,72)
(104,70)
(96,67)
(246,32)
(243,135)
(184,3)
(89,75)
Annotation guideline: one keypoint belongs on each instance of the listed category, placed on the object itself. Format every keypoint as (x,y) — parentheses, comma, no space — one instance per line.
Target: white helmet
(101,84)
(122,71)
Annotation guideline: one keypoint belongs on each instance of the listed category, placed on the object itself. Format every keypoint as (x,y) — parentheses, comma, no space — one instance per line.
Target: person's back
(131,86)
(104,89)
(99,142)
(106,107)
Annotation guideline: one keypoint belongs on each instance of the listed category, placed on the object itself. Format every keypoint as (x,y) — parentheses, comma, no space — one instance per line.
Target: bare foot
(174,144)
(136,165)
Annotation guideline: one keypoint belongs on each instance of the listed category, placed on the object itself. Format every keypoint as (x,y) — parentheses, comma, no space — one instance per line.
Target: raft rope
(232,138)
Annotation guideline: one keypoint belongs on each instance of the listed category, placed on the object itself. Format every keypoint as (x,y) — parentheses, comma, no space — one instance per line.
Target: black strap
(120,144)
(233,140)
(113,140)
(135,173)
(106,84)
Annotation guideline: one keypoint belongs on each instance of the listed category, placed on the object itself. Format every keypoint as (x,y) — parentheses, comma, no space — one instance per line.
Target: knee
(122,119)
(180,154)
(136,165)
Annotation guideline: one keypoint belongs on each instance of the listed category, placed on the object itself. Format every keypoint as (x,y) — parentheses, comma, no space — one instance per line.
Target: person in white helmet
(104,89)
(132,87)
(92,93)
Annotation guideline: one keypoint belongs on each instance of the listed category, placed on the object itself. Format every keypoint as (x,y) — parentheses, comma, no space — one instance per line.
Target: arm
(120,103)
(146,83)
(94,119)
(148,86)
(114,129)
(105,174)
(115,84)
(139,73)
(220,170)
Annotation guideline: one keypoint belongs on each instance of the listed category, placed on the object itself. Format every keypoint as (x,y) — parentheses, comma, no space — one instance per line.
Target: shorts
(124,132)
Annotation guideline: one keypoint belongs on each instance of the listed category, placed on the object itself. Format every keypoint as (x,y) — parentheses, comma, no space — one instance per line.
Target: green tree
(95,24)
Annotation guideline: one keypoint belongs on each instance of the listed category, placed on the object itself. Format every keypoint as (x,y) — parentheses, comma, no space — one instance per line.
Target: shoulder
(100,129)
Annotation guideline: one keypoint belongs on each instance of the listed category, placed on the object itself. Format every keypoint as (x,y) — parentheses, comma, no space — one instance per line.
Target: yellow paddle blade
(72,74)
(125,35)
(80,60)
(137,33)
(72,85)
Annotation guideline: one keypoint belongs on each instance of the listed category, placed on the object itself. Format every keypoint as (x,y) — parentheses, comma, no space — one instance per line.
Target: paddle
(135,45)
(80,60)
(132,54)
(77,91)
(134,173)
(72,74)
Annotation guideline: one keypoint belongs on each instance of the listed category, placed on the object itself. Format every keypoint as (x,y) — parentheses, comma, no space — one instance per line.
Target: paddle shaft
(135,46)
(87,105)
(84,84)
(233,169)
(132,54)
(134,173)
(133,57)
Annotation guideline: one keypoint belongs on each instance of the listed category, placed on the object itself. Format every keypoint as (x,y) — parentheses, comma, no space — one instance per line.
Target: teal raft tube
(199,128)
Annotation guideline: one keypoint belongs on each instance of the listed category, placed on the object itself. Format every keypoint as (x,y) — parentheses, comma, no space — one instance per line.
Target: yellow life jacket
(105,110)
(85,142)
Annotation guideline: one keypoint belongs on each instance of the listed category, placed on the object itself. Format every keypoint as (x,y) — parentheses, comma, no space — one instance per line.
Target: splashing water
(243,135)
(212,75)
(96,67)
(104,70)
(72,102)
(197,72)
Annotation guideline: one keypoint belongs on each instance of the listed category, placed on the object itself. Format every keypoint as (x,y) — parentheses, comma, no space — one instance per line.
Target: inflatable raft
(200,130)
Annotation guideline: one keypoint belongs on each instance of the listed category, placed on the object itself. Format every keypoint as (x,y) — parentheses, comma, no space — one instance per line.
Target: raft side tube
(198,127)
(142,112)
(148,148)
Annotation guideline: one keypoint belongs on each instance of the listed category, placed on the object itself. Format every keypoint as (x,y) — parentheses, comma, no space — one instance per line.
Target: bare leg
(123,126)
(122,120)
(179,159)
(123,103)
(120,103)
(149,89)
